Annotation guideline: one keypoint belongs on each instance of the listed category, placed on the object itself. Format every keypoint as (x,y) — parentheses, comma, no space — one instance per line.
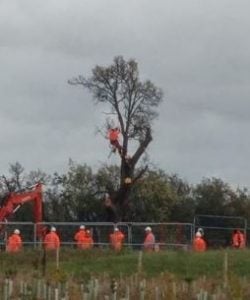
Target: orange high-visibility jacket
(116,240)
(113,134)
(14,243)
(242,240)
(51,241)
(79,237)
(199,245)
(238,240)
(87,242)
(149,242)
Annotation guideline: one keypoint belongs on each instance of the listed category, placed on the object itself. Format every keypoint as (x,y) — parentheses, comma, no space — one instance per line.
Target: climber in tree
(113,136)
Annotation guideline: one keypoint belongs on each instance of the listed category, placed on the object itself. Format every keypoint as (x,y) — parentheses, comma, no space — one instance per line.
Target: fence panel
(167,235)
(100,232)
(218,230)
(248,235)
(27,231)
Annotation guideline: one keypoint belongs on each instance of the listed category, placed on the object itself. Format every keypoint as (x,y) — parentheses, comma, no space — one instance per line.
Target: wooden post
(225,270)
(56,294)
(57,258)
(44,262)
(114,289)
(142,289)
(139,266)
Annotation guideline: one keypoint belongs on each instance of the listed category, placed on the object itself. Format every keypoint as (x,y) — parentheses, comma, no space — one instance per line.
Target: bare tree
(134,102)
(15,181)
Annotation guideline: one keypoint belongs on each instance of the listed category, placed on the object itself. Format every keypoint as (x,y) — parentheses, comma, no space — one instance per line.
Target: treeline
(78,195)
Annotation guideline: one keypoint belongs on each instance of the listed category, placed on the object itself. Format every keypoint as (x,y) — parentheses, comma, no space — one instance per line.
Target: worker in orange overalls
(51,240)
(199,245)
(113,136)
(87,242)
(116,239)
(14,242)
(79,236)
(238,239)
(149,241)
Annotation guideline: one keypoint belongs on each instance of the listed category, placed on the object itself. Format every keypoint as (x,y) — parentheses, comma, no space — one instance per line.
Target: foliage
(133,101)
(77,195)
(153,198)
(18,181)
(76,198)
(213,196)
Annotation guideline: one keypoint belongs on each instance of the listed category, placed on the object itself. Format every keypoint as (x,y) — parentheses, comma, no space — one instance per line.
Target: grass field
(213,275)
(182,264)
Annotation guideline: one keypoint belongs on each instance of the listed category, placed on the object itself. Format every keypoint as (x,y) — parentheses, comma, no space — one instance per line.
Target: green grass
(96,262)
(177,274)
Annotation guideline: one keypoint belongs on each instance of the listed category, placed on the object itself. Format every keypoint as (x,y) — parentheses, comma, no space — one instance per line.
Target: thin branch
(7,184)
(140,174)
(143,145)
(108,113)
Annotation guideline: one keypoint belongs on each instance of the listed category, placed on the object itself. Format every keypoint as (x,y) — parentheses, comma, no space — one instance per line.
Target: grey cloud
(197,51)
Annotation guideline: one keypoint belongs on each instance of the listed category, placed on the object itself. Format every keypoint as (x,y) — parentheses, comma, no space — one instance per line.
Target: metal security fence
(100,232)
(167,235)
(27,230)
(248,236)
(218,230)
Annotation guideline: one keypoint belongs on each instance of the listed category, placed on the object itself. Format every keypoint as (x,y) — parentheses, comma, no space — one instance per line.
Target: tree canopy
(76,195)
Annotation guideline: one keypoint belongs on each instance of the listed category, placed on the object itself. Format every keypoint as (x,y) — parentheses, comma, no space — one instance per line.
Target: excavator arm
(15,200)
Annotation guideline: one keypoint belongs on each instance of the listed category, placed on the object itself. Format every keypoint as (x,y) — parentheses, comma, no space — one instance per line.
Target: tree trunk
(118,204)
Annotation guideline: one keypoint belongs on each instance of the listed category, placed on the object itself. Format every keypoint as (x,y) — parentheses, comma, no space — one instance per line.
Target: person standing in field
(149,241)
(199,244)
(14,242)
(116,239)
(238,239)
(51,240)
(79,236)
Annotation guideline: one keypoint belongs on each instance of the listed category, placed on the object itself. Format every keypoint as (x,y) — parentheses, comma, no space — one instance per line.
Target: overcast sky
(197,51)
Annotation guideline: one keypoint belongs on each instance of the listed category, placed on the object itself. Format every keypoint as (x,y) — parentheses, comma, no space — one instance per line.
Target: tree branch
(143,145)
(140,174)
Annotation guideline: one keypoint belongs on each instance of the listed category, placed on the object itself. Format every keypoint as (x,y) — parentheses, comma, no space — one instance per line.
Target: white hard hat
(116,229)
(17,231)
(198,234)
(148,228)
(53,229)
(82,227)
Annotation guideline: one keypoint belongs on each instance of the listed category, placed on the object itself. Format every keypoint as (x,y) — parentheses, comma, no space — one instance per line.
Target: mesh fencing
(167,235)
(27,230)
(218,230)
(100,232)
